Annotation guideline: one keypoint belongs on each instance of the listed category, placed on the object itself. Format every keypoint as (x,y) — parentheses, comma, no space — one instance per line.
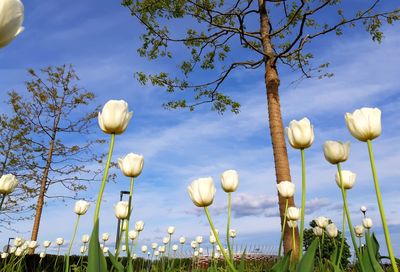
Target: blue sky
(100,39)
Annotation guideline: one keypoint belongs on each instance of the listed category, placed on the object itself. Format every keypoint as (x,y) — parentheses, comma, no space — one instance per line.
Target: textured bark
(282,169)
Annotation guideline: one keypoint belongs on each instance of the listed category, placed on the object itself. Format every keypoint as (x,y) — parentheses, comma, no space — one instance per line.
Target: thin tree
(60,116)
(255,35)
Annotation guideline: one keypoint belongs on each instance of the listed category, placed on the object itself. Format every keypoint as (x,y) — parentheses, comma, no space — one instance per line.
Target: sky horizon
(180,146)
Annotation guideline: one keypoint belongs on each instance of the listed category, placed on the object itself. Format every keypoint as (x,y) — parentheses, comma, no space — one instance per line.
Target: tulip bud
(292,223)
(4,255)
(359,230)
(348,178)
(193,244)
(139,226)
(85,238)
(114,117)
(121,210)
(133,234)
(232,233)
(46,244)
(331,230)
(318,231)
(199,239)
(363,209)
(286,189)
(336,152)
(175,247)
(367,222)
(123,248)
(321,221)
(364,124)
(11,18)
(201,250)
(81,207)
(165,240)
(144,249)
(8,182)
(42,254)
(105,236)
(154,246)
(300,133)
(196,253)
(171,230)
(213,240)
(60,241)
(182,240)
(202,192)
(229,181)
(293,213)
(156,253)
(131,165)
(105,250)
(82,249)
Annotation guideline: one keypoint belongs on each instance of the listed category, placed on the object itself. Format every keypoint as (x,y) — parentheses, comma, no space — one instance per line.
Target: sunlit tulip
(85,238)
(359,230)
(144,249)
(348,178)
(12,249)
(196,253)
(161,249)
(105,236)
(229,181)
(19,251)
(202,191)
(367,222)
(364,124)
(42,254)
(175,247)
(232,233)
(11,18)
(165,240)
(131,165)
(171,230)
(293,213)
(33,244)
(331,230)
(60,241)
(114,117)
(213,240)
(363,209)
(156,253)
(105,249)
(46,243)
(318,231)
(199,239)
(134,256)
(300,133)
(19,241)
(336,152)
(4,255)
(8,182)
(139,226)
(292,223)
(82,250)
(286,189)
(121,210)
(201,250)
(154,245)
(193,244)
(81,207)
(182,240)
(133,234)
(321,221)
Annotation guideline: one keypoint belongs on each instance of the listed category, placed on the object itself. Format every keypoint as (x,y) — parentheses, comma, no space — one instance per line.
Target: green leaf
(242,260)
(116,264)
(335,267)
(306,263)
(372,248)
(96,260)
(283,264)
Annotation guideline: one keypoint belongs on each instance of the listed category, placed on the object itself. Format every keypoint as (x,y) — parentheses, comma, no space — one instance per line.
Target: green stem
(128,254)
(381,209)
(303,200)
(294,240)
(351,229)
(103,182)
(58,253)
(2,201)
(283,228)
(218,241)
(228,226)
(70,244)
(343,236)
(119,240)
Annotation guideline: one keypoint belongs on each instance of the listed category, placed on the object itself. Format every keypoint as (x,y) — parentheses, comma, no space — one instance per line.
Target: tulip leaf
(116,264)
(283,264)
(96,260)
(306,263)
(335,267)
(372,253)
(242,260)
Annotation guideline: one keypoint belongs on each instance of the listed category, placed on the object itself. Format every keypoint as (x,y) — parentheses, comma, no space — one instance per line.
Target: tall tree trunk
(272,81)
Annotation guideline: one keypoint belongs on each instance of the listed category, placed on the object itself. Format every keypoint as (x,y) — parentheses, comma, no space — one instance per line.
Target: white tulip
(216,255)
(82,250)
(8,182)
(144,249)
(182,240)
(139,226)
(123,248)
(42,254)
(229,181)
(336,152)
(60,241)
(46,243)
(318,231)
(171,230)
(154,246)
(19,251)
(363,209)
(364,124)
(105,249)
(19,241)
(165,240)
(131,165)
(134,256)
(121,210)
(85,238)
(196,253)
(161,249)
(331,230)
(133,234)
(114,117)
(193,244)
(202,192)
(81,207)
(32,244)
(156,253)
(201,250)
(101,246)
(232,233)
(293,213)
(286,189)
(213,240)
(11,18)
(300,133)
(175,247)
(359,230)
(12,249)
(292,223)
(367,222)
(321,221)
(105,236)
(199,239)
(348,178)
(4,255)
